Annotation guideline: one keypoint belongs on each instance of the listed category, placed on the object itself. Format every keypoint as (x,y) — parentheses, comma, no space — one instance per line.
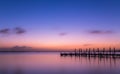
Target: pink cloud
(5,31)
(100,32)
(19,30)
(87,44)
(62,34)
(16,30)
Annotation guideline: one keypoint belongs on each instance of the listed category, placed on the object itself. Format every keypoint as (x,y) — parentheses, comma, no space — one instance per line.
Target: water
(53,63)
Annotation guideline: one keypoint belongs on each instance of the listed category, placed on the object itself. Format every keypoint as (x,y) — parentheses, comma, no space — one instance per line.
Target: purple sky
(59,23)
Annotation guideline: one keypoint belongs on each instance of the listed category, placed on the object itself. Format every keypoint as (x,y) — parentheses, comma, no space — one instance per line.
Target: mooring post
(103,51)
(86,51)
(79,52)
(110,51)
(89,51)
(75,51)
(97,51)
(93,51)
(114,51)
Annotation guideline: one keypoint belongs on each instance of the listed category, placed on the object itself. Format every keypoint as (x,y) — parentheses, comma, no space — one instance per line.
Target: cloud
(5,31)
(100,32)
(21,47)
(56,28)
(19,30)
(62,34)
(9,31)
(87,44)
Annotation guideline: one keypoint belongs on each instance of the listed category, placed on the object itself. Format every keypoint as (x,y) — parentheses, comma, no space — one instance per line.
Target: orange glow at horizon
(59,43)
(62,46)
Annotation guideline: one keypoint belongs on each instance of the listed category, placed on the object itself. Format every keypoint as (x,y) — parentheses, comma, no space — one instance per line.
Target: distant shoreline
(30,51)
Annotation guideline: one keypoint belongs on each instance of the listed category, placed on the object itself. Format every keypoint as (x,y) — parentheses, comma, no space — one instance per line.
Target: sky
(60,24)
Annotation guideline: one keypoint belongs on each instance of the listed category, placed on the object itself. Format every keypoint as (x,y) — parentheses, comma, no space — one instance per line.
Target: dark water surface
(53,63)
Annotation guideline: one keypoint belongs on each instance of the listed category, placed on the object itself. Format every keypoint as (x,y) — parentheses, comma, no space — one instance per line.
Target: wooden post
(114,51)
(89,51)
(79,52)
(75,51)
(110,51)
(86,51)
(97,51)
(103,51)
(93,51)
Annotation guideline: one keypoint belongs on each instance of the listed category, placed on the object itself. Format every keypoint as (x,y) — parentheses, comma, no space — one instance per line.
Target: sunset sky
(60,24)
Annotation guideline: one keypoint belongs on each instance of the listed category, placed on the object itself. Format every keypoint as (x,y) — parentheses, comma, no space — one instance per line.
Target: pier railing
(111,52)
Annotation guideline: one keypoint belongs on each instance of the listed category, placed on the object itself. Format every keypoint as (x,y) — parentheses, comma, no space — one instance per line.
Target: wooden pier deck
(93,52)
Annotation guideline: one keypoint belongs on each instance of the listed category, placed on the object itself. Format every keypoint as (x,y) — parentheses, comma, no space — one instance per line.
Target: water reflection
(53,63)
(15,71)
(97,65)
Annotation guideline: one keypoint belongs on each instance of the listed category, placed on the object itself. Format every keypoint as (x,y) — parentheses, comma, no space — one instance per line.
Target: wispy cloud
(19,30)
(87,44)
(21,47)
(62,33)
(56,28)
(100,32)
(5,31)
(9,31)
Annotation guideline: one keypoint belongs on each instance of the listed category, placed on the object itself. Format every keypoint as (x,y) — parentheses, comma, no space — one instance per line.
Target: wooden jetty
(111,52)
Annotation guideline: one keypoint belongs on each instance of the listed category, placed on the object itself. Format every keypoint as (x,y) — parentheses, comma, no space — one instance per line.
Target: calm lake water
(53,63)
